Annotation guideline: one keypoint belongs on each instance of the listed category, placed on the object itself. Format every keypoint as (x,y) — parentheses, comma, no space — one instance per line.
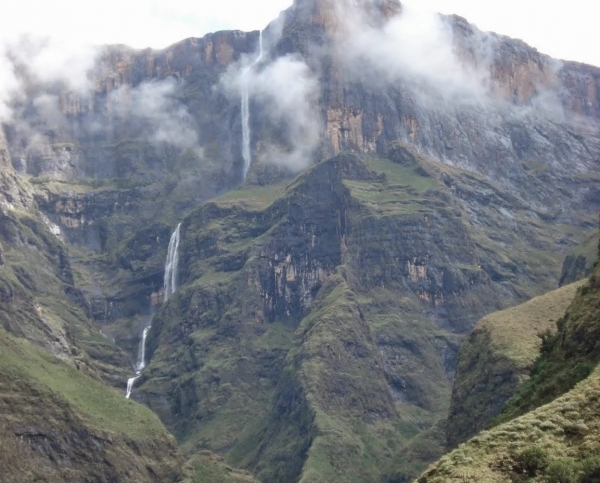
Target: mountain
(551,428)
(401,188)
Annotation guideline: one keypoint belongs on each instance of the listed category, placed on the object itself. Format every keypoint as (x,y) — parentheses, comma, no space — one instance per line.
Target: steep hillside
(496,358)
(58,424)
(568,356)
(320,319)
(558,441)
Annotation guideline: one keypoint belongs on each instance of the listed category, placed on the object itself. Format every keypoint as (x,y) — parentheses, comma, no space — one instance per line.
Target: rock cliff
(253,357)
(316,332)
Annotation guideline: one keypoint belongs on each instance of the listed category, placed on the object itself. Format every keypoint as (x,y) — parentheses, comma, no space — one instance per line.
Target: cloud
(45,60)
(415,47)
(30,65)
(284,94)
(163,118)
(10,86)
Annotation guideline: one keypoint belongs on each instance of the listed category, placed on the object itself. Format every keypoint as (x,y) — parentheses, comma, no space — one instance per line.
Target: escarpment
(322,300)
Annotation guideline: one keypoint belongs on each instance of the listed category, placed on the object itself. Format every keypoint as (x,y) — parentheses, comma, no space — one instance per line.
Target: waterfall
(246,152)
(141,362)
(170,282)
(130,386)
(171,265)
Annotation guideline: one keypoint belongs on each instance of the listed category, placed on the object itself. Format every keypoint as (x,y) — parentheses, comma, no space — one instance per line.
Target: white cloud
(562,30)
(155,105)
(416,47)
(287,92)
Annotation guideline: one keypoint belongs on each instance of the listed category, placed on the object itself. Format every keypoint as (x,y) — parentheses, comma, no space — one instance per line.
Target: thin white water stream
(170,285)
(246,151)
(172,264)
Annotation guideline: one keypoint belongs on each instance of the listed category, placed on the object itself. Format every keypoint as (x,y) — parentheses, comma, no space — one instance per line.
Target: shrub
(531,461)
(581,371)
(563,470)
(591,470)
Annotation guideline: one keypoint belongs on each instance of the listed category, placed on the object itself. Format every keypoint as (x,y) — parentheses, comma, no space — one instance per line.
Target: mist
(284,93)
(415,47)
(163,117)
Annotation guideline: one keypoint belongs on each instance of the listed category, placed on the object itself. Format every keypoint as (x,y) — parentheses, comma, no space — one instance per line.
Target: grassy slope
(54,413)
(496,358)
(206,467)
(567,356)
(555,442)
(567,429)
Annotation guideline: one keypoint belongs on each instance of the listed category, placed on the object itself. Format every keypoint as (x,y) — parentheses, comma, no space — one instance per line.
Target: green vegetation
(496,358)
(252,198)
(96,403)
(554,443)
(567,356)
(557,437)
(50,409)
(206,467)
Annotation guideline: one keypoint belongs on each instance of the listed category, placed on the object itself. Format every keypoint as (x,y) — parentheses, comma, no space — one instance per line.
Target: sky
(567,30)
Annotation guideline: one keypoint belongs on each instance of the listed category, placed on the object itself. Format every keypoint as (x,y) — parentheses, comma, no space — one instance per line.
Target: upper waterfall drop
(170,284)
(171,264)
(246,152)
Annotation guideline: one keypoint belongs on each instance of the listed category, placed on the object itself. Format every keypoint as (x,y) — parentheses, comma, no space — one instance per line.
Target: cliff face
(106,173)
(335,299)
(316,331)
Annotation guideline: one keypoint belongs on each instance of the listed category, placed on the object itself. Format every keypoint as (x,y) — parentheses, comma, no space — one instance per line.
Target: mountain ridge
(412,213)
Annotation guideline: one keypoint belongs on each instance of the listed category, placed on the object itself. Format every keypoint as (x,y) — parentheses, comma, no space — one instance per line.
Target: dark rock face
(321,302)
(332,305)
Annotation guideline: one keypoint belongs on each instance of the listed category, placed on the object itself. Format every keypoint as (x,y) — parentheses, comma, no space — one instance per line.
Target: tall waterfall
(246,152)
(171,265)
(141,360)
